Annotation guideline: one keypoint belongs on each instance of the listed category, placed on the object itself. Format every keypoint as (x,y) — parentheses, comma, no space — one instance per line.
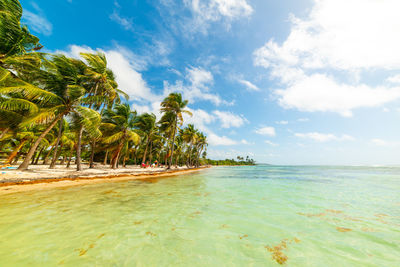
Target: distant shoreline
(9,186)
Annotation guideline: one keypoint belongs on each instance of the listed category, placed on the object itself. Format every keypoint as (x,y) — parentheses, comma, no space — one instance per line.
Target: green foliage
(230,162)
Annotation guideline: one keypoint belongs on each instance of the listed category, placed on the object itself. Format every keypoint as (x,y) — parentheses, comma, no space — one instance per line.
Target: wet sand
(44,178)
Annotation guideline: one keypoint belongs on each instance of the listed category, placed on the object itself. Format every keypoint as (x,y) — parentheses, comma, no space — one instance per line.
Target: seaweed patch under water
(277,251)
(343,229)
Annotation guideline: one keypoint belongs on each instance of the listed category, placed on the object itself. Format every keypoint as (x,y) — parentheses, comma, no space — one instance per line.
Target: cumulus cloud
(282,122)
(249,86)
(337,38)
(37,20)
(228,119)
(268,131)
(197,86)
(201,119)
(322,137)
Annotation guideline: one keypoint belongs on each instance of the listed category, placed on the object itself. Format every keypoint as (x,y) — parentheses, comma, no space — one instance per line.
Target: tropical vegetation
(55,109)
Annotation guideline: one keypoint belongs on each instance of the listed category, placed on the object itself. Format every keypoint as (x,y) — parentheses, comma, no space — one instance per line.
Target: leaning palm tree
(15,38)
(60,80)
(120,122)
(173,107)
(101,85)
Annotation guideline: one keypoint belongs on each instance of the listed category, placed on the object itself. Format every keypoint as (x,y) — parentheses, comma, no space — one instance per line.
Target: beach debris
(277,251)
(343,229)
(243,236)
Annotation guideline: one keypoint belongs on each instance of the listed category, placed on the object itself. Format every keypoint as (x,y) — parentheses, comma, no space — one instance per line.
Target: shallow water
(224,216)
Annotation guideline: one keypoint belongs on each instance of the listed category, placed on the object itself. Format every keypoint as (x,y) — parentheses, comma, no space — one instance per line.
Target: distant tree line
(231,162)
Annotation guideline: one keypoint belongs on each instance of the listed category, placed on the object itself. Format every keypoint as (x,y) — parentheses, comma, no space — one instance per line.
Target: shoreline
(22,185)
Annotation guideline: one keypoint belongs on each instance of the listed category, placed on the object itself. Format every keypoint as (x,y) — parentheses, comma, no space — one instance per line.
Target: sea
(259,215)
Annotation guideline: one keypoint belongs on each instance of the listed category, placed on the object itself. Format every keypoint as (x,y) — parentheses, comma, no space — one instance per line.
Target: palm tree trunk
(145,150)
(47,156)
(151,154)
(115,158)
(38,156)
(91,163)
(63,160)
(24,165)
(69,157)
(105,158)
(54,159)
(15,151)
(78,150)
(3,133)
(172,147)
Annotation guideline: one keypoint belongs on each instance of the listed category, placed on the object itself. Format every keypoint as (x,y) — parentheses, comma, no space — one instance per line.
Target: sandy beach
(41,177)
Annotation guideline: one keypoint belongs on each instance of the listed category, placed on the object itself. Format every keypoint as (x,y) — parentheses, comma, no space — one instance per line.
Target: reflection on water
(225,216)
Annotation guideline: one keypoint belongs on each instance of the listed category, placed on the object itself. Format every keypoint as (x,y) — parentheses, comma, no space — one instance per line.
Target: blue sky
(285,82)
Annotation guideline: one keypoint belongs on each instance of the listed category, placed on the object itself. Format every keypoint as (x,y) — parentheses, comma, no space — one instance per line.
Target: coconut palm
(15,38)
(101,85)
(120,121)
(146,123)
(173,107)
(61,80)
(189,136)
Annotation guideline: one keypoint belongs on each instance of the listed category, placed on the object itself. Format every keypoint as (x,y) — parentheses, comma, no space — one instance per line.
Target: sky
(285,82)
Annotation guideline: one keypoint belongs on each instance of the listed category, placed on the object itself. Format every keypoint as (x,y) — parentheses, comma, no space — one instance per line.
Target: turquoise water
(224,216)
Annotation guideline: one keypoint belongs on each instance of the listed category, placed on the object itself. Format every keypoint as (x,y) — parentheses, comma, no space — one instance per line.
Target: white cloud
(228,119)
(268,131)
(201,119)
(337,38)
(321,137)
(394,79)
(129,80)
(379,142)
(270,143)
(249,86)
(126,23)
(208,11)
(303,119)
(216,140)
(245,142)
(37,21)
(282,122)
(384,143)
(319,92)
(198,88)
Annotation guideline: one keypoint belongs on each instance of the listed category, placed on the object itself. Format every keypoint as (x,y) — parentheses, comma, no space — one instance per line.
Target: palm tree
(15,39)
(60,79)
(101,85)
(147,125)
(189,136)
(120,121)
(173,108)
